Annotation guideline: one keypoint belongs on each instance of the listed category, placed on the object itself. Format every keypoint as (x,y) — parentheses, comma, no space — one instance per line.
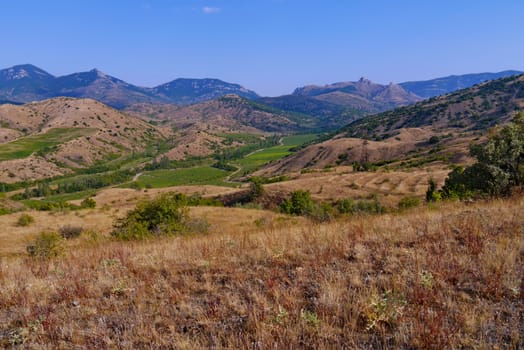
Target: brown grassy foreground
(450,277)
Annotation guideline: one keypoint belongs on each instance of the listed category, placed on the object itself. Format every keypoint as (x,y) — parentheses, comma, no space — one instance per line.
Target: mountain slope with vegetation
(476,108)
(436,130)
(445,85)
(231,112)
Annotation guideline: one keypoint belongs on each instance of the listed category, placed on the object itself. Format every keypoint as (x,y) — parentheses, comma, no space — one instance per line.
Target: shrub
(369,206)
(88,203)
(409,202)
(47,245)
(300,203)
(25,220)
(322,212)
(433,140)
(346,206)
(165,215)
(256,188)
(70,231)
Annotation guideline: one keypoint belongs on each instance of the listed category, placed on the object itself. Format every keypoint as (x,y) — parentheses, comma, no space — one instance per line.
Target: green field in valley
(259,158)
(26,146)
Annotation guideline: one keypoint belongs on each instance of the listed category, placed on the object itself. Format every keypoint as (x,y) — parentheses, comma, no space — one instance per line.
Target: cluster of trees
(43,189)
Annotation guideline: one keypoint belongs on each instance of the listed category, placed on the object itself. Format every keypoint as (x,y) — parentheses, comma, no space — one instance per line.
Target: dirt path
(136,176)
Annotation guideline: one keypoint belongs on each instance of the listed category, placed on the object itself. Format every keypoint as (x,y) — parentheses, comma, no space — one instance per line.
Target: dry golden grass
(449,277)
(15,238)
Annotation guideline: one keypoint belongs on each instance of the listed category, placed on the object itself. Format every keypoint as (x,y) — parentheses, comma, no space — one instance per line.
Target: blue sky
(270,46)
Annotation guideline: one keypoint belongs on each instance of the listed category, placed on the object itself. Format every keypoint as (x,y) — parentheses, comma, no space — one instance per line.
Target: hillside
(435,130)
(445,85)
(27,83)
(228,113)
(362,95)
(476,108)
(48,138)
(329,116)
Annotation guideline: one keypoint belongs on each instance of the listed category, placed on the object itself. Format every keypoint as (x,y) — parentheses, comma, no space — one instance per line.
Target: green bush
(165,215)
(346,206)
(25,220)
(88,203)
(322,212)
(300,203)
(47,245)
(409,202)
(371,206)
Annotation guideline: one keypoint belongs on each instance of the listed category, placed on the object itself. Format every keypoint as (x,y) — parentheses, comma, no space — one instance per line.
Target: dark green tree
(499,166)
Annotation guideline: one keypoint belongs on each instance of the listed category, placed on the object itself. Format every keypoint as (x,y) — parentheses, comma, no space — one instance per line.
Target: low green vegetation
(364,206)
(300,203)
(25,220)
(42,143)
(165,215)
(54,204)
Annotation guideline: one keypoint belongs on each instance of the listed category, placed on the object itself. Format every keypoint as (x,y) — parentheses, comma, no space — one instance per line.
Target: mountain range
(27,83)
(308,108)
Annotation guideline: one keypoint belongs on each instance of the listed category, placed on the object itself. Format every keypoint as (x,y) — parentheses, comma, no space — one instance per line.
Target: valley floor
(449,276)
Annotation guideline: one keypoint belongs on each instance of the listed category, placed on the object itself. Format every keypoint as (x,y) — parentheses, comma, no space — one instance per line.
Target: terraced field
(342,182)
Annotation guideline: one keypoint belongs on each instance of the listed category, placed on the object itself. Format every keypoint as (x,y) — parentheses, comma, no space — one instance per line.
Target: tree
(499,166)
(300,203)
(256,188)
(165,215)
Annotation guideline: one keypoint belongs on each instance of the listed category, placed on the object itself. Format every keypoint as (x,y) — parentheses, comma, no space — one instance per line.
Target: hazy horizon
(270,46)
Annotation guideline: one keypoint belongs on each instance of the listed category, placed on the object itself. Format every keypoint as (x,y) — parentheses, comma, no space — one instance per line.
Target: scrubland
(445,276)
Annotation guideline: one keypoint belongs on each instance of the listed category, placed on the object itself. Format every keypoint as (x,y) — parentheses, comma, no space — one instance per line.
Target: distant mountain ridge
(363,95)
(444,85)
(27,83)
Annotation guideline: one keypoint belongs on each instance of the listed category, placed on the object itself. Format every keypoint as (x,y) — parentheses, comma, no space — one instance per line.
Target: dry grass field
(449,276)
